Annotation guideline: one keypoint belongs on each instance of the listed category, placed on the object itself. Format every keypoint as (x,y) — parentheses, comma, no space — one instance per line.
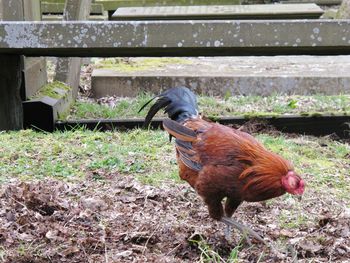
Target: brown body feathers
(219,161)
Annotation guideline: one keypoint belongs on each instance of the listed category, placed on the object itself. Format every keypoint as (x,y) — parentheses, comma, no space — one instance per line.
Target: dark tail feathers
(179,103)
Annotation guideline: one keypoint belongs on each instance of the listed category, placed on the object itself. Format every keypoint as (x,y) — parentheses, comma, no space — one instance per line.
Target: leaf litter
(118,219)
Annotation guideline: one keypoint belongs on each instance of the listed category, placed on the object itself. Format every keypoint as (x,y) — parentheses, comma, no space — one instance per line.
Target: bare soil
(117,219)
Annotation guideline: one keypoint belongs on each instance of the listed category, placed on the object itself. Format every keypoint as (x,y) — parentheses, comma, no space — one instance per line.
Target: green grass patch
(122,65)
(213,107)
(150,157)
(73,155)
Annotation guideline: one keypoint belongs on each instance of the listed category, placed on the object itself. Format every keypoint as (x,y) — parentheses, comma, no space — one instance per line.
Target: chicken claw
(243,229)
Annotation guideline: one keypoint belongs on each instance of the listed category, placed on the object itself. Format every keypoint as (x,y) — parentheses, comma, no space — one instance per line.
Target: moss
(139,65)
(64,115)
(330,14)
(52,90)
(213,118)
(344,10)
(261,114)
(316,114)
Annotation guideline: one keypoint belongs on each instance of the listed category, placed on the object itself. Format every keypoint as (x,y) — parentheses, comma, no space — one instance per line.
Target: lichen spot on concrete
(179,44)
(208,44)
(17,36)
(298,40)
(316,30)
(312,36)
(217,43)
(319,39)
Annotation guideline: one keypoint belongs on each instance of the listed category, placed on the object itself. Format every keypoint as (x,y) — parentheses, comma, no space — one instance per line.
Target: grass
(119,64)
(72,155)
(149,156)
(209,255)
(214,107)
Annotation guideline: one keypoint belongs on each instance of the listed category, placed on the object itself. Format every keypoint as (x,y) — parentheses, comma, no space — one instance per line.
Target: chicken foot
(229,222)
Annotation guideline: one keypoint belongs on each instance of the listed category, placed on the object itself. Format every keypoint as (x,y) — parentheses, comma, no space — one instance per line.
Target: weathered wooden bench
(275,11)
(154,38)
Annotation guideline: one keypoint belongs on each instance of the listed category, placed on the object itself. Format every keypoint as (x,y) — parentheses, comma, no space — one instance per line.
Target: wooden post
(68,69)
(11,111)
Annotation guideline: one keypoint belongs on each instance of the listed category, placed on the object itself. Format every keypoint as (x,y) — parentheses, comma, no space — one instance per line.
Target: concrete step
(272,11)
(302,75)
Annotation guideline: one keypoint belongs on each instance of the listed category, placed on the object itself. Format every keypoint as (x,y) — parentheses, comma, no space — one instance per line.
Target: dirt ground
(117,219)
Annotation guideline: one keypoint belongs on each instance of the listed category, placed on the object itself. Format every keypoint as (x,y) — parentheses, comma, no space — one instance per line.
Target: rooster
(222,162)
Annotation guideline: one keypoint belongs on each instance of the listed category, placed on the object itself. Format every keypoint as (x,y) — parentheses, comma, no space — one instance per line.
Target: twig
(148,239)
(171,251)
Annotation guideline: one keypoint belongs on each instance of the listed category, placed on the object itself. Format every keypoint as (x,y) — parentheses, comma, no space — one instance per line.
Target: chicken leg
(229,222)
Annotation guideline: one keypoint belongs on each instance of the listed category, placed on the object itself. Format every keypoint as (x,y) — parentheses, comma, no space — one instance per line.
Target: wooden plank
(276,11)
(112,5)
(68,69)
(176,38)
(11,113)
(317,125)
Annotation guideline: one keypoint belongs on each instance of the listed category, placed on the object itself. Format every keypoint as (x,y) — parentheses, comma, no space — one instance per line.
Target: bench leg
(11,112)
